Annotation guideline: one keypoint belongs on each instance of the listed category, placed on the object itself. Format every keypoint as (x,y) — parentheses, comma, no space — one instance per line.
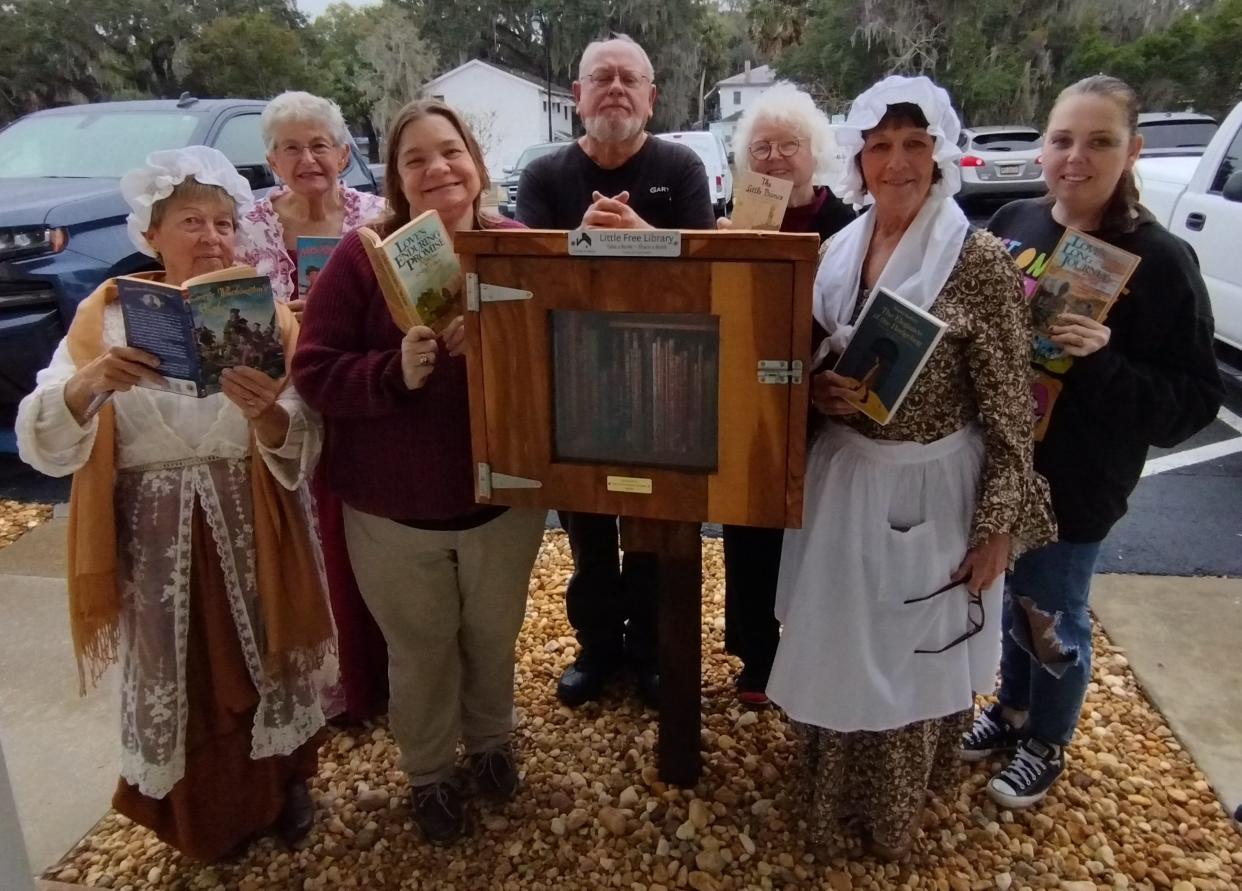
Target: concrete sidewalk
(1182,637)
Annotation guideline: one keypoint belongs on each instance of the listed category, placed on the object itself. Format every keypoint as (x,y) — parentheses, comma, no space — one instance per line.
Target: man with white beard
(616,176)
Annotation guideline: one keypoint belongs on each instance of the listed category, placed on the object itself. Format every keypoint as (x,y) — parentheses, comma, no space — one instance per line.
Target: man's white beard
(605,129)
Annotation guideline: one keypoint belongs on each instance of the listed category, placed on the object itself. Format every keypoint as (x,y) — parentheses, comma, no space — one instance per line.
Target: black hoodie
(1155,384)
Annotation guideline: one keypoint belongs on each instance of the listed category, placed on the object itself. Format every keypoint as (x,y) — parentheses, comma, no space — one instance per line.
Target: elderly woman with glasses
(890,593)
(308,148)
(782,134)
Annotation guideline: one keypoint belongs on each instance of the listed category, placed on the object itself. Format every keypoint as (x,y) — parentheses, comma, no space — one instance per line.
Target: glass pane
(90,143)
(636,388)
(241,140)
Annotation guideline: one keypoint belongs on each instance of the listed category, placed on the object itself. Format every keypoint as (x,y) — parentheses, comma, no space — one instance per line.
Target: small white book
(759,201)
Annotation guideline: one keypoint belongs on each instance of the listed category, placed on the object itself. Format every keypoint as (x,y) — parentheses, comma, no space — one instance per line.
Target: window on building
(737,97)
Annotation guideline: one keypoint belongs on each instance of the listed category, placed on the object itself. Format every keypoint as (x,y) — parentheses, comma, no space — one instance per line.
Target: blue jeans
(1046,638)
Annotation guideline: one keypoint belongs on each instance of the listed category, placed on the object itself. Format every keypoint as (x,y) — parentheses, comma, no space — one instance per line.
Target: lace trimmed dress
(210,740)
(363,689)
(867,667)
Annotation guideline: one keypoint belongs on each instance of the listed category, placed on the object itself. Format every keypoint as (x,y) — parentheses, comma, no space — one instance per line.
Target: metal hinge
(778,371)
(477,293)
(489,480)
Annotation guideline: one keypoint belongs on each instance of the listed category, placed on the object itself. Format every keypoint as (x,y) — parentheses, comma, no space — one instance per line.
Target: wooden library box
(658,375)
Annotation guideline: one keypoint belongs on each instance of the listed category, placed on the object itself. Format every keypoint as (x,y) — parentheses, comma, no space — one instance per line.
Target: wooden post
(678,550)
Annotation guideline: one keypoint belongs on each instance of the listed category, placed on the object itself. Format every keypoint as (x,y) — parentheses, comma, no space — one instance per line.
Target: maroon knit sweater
(388,450)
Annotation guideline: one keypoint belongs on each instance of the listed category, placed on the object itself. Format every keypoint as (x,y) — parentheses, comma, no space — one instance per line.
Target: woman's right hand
(298,306)
(418,356)
(119,369)
(724,223)
(829,391)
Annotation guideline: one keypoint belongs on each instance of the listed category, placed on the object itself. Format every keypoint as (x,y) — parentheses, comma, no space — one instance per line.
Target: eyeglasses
(763,149)
(974,616)
(628,79)
(293,151)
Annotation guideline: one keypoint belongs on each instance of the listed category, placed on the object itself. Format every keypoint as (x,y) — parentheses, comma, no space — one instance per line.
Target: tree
(222,61)
(399,63)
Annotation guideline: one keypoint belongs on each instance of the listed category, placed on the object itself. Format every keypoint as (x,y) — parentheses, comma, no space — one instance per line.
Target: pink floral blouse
(261,238)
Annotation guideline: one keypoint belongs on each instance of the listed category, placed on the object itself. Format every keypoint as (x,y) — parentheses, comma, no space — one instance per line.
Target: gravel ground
(16,518)
(1133,811)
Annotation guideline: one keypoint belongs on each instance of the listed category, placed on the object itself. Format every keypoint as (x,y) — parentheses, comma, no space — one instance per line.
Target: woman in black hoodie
(1145,376)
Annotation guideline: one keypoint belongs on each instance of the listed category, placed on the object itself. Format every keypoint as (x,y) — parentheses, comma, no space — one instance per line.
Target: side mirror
(509,171)
(260,176)
(1233,187)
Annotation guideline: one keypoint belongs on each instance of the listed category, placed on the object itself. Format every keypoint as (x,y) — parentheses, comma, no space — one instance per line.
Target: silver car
(1001,162)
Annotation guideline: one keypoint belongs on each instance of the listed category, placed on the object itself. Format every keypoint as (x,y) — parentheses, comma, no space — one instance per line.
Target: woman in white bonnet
(889,596)
(190,561)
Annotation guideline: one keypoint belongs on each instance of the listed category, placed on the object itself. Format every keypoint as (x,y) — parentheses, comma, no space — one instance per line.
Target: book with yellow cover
(759,201)
(417,271)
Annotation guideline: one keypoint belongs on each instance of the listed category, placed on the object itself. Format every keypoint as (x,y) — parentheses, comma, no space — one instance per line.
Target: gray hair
(784,103)
(296,105)
(616,36)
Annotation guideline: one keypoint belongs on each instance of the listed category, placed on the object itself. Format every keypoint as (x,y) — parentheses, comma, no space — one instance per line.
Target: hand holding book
(834,394)
(117,370)
(1079,335)
(418,356)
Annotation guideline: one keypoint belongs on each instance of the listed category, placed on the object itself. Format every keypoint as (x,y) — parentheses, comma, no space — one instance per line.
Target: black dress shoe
(583,681)
(297,816)
(649,687)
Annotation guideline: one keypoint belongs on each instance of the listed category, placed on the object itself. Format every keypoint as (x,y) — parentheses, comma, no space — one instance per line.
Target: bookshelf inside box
(644,371)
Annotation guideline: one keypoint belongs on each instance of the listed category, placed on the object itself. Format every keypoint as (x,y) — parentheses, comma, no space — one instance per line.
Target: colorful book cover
(418,272)
(313,252)
(892,341)
(197,332)
(759,201)
(1084,276)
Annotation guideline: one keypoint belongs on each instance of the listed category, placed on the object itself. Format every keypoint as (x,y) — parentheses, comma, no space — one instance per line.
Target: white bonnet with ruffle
(163,171)
(867,111)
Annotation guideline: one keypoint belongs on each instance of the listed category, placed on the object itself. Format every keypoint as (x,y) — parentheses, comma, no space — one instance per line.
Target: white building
(735,94)
(507,109)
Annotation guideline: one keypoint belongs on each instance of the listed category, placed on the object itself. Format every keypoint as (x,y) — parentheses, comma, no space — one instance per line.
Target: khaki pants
(450,605)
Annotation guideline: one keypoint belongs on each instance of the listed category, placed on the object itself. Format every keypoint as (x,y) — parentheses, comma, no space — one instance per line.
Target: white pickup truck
(1200,200)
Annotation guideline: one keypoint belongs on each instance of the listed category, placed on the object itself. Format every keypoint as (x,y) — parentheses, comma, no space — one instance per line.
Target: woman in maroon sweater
(445,578)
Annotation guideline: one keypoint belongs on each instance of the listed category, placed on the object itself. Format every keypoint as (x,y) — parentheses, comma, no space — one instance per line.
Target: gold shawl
(292,600)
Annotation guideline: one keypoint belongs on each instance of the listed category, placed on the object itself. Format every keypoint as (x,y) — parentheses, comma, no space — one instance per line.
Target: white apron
(846,659)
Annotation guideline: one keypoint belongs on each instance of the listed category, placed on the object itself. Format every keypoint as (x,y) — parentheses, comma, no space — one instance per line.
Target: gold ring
(424,359)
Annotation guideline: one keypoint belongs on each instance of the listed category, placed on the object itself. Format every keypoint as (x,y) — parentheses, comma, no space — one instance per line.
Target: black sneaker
(495,772)
(1029,776)
(990,734)
(439,811)
(586,678)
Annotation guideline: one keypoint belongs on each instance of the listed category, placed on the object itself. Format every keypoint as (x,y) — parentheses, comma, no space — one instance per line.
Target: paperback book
(313,253)
(892,341)
(214,321)
(417,271)
(759,201)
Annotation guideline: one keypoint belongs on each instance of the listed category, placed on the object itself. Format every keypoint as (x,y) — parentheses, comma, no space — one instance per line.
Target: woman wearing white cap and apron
(890,594)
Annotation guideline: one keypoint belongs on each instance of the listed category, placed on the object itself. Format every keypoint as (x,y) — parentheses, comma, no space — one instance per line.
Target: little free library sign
(662,380)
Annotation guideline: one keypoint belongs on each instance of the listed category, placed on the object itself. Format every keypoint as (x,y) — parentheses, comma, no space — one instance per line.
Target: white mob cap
(870,107)
(165,170)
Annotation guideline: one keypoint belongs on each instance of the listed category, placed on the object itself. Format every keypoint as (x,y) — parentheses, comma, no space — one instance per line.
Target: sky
(312,8)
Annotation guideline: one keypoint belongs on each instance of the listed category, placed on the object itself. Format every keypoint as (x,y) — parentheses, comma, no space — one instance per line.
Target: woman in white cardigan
(190,560)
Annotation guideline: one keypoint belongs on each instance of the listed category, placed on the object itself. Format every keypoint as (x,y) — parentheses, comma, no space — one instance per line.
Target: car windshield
(89,143)
(1177,134)
(1006,142)
(535,151)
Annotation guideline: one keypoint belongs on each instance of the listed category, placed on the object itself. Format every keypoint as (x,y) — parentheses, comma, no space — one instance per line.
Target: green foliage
(222,60)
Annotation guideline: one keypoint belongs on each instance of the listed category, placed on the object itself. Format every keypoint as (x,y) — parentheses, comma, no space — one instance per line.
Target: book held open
(417,271)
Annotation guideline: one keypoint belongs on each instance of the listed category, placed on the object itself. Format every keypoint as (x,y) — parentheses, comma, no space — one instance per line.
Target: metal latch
(489,481)
(478,293)
(778,371)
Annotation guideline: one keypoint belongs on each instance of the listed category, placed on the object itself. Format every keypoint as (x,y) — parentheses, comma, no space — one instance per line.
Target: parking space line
(1193,456)
(1230,419)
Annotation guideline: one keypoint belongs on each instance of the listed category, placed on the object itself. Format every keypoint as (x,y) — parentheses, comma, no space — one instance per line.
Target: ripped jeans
(1046,638)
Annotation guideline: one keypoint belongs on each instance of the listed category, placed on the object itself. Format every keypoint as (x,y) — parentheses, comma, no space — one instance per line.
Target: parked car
(1001,162)
(1200,200)
(62,218)
(507,202)
(711,149)
(1175,133)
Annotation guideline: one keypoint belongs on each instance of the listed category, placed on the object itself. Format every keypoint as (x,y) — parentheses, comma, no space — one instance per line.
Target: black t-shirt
(666,182)
(1155,383)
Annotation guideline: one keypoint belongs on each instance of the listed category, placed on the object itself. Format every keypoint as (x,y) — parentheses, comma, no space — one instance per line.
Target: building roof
(534,79)
(762,75)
